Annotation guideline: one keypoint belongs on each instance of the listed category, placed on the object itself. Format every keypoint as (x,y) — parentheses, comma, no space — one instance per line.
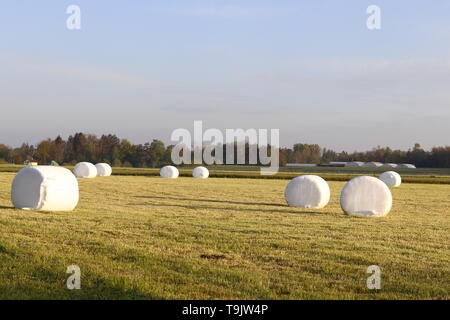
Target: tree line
(122,153)
(437,157)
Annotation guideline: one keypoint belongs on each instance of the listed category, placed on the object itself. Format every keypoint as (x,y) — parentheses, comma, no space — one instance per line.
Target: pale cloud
(361,67)
(403,83)
(224,10)
(79,72)
(320,101)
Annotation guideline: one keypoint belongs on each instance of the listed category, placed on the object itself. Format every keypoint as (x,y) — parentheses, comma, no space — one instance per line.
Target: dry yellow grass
(153,238)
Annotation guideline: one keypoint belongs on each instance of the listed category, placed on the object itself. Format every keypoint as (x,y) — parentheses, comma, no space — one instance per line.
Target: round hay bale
(85,170)
(103,170)
(391,178)
(389,165)
(169,172)
(406,166)
(200,172)
(366,196)
(308,191)
(354,164)
(372,164)
(45,188)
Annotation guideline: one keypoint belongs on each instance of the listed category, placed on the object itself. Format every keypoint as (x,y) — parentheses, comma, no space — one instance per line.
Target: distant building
(30,163)
(301,165)
(337,164)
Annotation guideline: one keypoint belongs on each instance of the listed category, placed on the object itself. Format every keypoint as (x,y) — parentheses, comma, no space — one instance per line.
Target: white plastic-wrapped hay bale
(389,165)
(45,188)
(406,166)
(85,170)
(354,164)
(366,196)
(103,170)
(169,172)
(200,172)
(308,191)
(391,178)
(372,164)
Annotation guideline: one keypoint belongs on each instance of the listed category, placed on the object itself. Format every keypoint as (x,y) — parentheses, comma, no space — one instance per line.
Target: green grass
(338,170)
(137,237)
(423,175)
(329,175)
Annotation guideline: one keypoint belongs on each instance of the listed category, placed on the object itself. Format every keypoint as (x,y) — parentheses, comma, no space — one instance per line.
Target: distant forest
(122,153)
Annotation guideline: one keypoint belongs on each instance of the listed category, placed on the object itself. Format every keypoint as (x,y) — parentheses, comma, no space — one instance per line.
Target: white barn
(301,165)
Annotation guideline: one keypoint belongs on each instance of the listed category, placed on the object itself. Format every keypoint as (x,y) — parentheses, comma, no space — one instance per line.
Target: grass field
(138,237)
(422,175)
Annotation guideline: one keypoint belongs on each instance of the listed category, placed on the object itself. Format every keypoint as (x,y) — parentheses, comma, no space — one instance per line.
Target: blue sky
(141,69)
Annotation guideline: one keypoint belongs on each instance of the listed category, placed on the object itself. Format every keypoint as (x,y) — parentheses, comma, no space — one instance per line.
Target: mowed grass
(154,238)
(421,175)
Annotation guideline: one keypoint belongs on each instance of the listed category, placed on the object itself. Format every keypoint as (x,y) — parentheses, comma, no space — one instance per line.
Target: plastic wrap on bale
(391,178)
(366,196)
(85,170)
(45,188)
(169,172)
(200,172)
(103,170)
(308,191)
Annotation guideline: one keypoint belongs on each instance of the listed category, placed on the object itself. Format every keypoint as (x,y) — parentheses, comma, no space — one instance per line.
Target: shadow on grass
(214,200)
(196,207)
(7,208)
(50,285)
(29,211)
